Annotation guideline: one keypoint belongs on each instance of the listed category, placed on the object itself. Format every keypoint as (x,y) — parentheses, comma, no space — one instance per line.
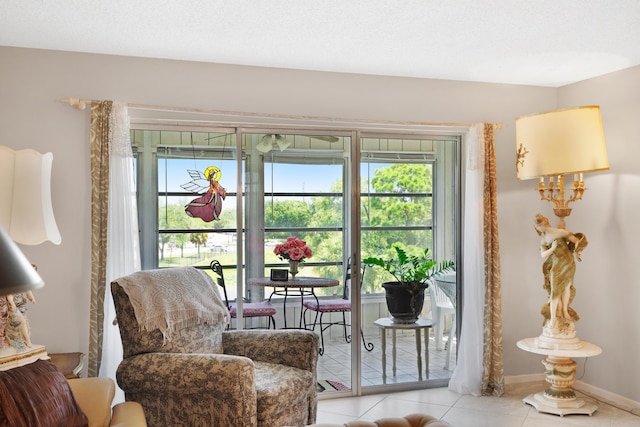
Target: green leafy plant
(410,270)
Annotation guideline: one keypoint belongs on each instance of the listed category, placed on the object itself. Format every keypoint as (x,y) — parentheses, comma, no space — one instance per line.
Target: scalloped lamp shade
(560,142)
(26,211)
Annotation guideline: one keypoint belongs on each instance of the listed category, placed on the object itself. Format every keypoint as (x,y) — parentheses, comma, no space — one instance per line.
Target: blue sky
(287,177)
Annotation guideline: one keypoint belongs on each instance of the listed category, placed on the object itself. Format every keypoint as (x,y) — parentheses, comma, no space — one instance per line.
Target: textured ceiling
(540,42)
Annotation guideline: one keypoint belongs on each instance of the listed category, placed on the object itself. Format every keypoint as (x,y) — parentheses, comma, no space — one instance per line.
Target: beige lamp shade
(560,142)
(26,212)
(16,273)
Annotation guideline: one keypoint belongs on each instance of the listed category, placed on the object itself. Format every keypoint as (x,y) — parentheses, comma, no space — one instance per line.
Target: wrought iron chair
(336,305)
(249,309)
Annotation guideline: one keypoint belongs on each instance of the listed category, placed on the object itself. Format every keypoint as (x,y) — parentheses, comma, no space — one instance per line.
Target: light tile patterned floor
(458,410)
(467,411)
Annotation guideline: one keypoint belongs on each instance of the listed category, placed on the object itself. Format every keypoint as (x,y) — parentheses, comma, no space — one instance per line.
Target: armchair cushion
(285,370)
(38,394)
(281,389)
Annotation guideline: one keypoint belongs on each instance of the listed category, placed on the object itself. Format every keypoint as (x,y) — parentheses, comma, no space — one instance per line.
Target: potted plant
(405,295)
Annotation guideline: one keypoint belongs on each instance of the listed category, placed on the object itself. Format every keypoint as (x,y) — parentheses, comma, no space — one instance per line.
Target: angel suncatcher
(208,206)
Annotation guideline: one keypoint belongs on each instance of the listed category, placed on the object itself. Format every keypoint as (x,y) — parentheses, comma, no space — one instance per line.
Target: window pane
(172,216)
(174,173)
(396,209)
(303,177)
(379,243)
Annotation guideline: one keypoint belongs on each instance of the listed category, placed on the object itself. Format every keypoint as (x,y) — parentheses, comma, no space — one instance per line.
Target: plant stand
(420,324)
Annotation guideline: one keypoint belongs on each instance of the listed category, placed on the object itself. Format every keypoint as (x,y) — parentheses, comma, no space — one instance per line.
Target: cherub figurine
(18,331)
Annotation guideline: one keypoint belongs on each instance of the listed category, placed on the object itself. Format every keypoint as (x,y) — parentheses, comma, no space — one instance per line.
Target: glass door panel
(407,200)
(301,192)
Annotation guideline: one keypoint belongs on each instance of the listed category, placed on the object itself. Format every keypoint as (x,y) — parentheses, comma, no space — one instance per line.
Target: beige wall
(33,80)
(610,288)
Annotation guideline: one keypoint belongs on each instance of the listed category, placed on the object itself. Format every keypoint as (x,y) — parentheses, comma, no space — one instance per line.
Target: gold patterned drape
(492,359)
(100,112)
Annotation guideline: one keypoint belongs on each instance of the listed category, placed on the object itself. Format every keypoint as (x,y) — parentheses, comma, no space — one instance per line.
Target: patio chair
(337,305)
(249,309)
(441,305)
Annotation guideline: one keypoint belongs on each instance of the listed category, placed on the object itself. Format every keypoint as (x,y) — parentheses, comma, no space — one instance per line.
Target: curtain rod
(81,104)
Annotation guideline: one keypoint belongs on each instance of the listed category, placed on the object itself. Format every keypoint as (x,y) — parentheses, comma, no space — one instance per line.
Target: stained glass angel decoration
(208,206)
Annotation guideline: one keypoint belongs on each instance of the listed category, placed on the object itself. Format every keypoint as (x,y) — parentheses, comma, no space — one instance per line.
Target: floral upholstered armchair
(186,370)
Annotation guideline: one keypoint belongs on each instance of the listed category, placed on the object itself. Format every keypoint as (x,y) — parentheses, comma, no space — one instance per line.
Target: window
(396,209)
(170,174)
(293,184)
(407,198)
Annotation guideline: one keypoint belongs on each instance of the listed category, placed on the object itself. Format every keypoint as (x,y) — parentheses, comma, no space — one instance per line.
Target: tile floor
(458,410)
(467,411)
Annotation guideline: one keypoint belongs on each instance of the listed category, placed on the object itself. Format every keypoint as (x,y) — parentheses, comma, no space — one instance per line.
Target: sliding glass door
(407,200)
(348,194)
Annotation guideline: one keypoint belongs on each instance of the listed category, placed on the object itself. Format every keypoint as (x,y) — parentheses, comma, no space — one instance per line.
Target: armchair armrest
(94,396)
(128,414)
(296,348)
(187,374)
(203,389)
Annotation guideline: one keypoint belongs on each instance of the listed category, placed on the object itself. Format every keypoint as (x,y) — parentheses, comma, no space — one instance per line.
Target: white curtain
(467,376)
(123,245)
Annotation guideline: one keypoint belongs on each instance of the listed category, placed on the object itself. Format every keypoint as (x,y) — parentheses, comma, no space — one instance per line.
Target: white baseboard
(608,397)
(599,394)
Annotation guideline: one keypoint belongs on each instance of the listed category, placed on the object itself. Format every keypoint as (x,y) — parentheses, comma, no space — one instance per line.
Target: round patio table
(300,286)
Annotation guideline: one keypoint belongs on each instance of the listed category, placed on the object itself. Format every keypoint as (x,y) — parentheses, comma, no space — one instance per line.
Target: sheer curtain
(116,245)
(123,246)
(479,366)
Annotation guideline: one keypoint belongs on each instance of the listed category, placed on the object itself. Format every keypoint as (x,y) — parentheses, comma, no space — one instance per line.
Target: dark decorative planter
(405,302)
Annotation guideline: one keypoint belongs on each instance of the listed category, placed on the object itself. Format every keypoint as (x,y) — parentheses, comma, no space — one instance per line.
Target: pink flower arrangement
(293,249)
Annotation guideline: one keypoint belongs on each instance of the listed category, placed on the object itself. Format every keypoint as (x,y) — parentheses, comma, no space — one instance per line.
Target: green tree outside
(401,202)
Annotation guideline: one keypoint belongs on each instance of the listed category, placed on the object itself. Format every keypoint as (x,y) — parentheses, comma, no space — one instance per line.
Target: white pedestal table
(560,370)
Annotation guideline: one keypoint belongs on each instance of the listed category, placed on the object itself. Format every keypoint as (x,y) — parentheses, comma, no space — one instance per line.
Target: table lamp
(26,217)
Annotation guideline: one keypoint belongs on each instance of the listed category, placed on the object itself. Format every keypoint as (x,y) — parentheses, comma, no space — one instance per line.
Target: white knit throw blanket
(171,299)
